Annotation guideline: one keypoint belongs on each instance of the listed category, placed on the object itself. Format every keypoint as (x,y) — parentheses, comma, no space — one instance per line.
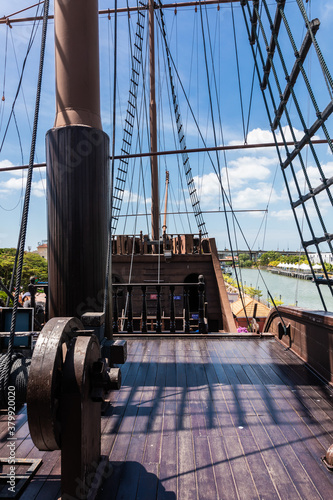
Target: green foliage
(33,265)
(329,267)
(244,260)
(252,292)
(245,263)
(3,296)
(272,259)
(267,257)
(277,301)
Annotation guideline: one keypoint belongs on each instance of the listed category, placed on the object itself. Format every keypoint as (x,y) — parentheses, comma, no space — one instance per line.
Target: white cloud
(248,168)
(38,188)
(263,136)
(313,175)
(253,198)
(16,184)
(285,214)
(129,197)
(5,164)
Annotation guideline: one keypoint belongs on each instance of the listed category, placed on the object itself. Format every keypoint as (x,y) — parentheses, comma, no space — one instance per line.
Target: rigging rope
(107,307)
(30,44)
(245,3)
(136,59)
(6,367)
(181,135)
(295,141)
(238,71)
(3,99)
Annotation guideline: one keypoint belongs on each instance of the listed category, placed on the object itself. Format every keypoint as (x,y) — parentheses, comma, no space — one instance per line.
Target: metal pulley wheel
(45,381)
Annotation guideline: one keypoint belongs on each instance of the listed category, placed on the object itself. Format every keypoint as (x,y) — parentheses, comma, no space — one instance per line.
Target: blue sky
(255,179)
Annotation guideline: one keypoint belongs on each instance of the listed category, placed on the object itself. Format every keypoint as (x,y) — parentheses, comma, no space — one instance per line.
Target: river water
(293,291)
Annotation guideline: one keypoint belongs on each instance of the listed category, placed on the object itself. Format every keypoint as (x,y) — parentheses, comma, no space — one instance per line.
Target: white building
(326,256)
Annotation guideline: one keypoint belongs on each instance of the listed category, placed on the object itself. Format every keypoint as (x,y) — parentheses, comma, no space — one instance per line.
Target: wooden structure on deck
(181,259)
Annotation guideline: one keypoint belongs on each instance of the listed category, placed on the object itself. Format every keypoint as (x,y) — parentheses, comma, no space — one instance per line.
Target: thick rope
(6,366)
(107,303)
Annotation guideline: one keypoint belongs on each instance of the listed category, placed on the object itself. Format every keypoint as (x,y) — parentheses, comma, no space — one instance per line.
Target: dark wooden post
(115,310)
(158,310)
(201,309)
(46,312)
(172,309)
(129,310)
(186,310)
(144,310)
(77,159)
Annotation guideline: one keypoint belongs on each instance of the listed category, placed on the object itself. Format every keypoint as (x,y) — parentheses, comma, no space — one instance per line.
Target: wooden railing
(143,321)
(168,244)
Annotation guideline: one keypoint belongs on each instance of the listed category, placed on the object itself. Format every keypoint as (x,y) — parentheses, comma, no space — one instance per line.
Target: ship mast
(153,129)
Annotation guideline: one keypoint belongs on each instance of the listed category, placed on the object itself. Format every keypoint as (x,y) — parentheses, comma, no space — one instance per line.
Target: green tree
(33,265)
(267,257)
(277,302)
(253,292)
(244,260)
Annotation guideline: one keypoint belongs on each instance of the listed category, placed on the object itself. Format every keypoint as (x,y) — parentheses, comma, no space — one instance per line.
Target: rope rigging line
(21,151)
(181,136)
(238,71)
(251,94)
(266,211)
(195,120)
(23,95)
(294,137)
(136,60)
(243,5)
(308,86)
(313,100)
(30,44)
(217,156)
(140,117)
(107,307)
(327,75)
(142,121)
(3,98)
(202,138)
(6,367)
(180,175)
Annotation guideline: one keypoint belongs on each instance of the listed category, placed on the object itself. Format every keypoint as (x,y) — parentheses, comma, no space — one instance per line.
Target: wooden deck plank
(290,458)
(285,455)
(244,483)
(187,480)
(206,418)
(124,434)
(286,418)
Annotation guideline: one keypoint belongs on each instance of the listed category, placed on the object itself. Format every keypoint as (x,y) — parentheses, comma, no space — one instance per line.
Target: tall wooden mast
(77,152)
(153,133)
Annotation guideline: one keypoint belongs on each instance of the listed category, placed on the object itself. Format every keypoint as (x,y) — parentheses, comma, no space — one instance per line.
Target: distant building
(326,256)
(42,249)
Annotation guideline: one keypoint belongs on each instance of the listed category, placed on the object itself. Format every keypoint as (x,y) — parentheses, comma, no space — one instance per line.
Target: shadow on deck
(204,419)
(217,419)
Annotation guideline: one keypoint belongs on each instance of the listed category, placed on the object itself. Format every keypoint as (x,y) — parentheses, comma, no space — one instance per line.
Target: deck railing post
(129,310)
(32,291)
(144,310)
(172,309)
(158,309)
(115,310)
(46,312)
(186,310)
(201,308)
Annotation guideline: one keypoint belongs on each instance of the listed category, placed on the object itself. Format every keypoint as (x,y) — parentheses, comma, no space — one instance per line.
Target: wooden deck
(207,419)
